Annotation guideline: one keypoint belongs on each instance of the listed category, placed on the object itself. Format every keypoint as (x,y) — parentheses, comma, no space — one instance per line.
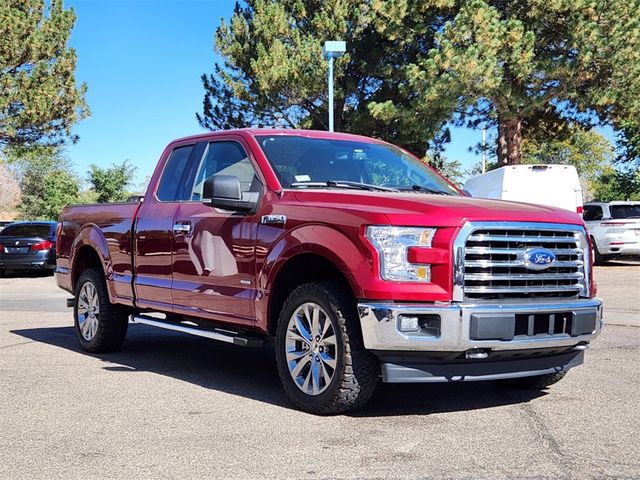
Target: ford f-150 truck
(355,258)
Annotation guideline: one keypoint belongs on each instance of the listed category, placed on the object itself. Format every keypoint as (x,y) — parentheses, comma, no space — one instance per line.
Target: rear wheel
(323,365)
(100,325)
(598,258)
(538,382)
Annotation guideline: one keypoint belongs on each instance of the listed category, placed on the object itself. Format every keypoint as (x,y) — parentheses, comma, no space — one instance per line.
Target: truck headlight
(392,244)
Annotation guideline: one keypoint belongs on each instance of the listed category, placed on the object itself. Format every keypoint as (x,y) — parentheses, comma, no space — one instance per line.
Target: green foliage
(45,179)
(39,98)
(587,150)
(111,184)
(526,67)
(274,74)
(522,66)
(617,185)
(628,143)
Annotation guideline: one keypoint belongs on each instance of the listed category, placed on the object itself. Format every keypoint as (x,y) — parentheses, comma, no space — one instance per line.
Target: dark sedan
(28,246)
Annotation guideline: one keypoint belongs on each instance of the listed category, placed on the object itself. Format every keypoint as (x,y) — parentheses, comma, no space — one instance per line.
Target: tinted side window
(225,158)
(592,212)
(172,175)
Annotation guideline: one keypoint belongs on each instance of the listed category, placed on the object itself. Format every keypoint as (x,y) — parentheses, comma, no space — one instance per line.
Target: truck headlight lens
(392,244)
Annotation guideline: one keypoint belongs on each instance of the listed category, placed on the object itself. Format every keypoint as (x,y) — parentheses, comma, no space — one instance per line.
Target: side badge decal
(273,219)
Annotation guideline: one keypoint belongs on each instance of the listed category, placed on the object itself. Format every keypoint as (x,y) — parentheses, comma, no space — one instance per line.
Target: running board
(220,335)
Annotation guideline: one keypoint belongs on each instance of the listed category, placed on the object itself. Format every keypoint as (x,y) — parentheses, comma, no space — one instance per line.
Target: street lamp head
(334,49)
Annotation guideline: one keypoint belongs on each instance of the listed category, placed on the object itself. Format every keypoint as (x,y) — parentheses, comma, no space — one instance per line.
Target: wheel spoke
(325,374)
(293,335)
(315,322)
(302,329)
(295,373)
(84,326)
(295,355)
(307,380)
(327,360)
(325,327)
(315,380)
(330,340)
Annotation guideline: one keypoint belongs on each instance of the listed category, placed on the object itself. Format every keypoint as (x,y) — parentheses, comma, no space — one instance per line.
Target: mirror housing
(224,191)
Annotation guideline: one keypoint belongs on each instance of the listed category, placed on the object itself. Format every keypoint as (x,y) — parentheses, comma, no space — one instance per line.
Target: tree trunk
(509,148)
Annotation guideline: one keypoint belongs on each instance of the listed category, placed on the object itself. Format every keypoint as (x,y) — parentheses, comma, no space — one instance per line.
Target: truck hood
(433,210)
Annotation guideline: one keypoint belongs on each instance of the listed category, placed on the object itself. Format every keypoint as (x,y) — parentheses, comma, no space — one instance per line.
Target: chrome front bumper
(380,326)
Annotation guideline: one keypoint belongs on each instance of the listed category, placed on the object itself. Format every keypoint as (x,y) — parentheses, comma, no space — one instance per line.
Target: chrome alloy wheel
(88,311)
(311,348)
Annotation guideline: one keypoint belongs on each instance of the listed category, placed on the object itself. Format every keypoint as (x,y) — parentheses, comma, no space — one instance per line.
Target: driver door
(214,251)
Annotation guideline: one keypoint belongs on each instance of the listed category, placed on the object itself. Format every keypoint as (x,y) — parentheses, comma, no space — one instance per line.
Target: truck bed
(106,227)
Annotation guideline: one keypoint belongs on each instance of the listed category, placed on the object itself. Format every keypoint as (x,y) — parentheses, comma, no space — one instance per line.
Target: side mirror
(223,191)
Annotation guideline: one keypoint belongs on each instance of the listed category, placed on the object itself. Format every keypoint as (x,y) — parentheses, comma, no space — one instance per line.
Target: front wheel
(100,325)
(322,363)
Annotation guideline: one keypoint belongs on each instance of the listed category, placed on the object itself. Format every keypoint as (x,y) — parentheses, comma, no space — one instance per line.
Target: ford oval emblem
(538,258)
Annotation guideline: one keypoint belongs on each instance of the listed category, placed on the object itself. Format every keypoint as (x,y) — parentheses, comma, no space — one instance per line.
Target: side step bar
(216,334)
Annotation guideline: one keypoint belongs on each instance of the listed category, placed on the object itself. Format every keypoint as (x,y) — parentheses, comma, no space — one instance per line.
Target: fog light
(408,324)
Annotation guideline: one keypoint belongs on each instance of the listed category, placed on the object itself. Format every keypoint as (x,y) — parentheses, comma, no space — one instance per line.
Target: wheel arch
(299,269)
(90,250)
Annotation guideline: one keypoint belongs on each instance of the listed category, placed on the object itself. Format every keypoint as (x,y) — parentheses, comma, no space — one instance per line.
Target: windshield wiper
(420,188)
(344,184)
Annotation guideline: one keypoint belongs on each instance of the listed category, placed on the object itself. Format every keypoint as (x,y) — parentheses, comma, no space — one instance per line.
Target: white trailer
(553,185)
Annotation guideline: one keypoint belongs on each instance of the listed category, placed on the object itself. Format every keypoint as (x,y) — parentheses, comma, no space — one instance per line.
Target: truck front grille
(495,266)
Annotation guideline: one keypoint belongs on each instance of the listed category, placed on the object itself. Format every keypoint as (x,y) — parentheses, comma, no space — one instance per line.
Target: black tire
(598,258)
(538,382)
(112,320)
(357,371)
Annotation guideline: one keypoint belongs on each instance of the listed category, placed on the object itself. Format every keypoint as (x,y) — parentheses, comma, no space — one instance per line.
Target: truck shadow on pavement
(251,373)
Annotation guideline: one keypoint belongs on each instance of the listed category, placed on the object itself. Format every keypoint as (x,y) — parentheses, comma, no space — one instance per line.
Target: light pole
(484,146)
(331,50)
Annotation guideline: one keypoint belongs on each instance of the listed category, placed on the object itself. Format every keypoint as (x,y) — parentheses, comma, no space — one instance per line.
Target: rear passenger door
(214,255)
(154,229)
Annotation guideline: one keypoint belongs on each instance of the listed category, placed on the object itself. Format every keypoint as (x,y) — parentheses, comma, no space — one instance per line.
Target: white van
(553,185)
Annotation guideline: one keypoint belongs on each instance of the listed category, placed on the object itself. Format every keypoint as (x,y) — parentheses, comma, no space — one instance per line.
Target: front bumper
(478,341)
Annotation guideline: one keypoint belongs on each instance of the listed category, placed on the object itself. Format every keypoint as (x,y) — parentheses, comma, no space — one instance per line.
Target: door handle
(183,228)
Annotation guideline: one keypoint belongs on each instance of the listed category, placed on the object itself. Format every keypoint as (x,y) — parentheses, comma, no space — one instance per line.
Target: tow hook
(476,353)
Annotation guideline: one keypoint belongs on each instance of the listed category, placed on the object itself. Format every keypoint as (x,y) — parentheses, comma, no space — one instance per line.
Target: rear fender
(92,236)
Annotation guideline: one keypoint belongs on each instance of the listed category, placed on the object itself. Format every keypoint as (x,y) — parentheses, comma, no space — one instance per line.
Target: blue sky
(142,61)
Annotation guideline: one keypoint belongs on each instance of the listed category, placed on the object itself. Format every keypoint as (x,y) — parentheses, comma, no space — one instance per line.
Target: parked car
(553,185)
(28,246)
(358,260)
(614,228)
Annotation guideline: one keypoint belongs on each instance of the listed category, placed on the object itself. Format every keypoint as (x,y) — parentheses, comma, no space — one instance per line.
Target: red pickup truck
(358,260)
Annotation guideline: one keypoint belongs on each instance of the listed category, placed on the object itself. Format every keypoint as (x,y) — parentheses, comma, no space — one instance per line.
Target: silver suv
(614,228)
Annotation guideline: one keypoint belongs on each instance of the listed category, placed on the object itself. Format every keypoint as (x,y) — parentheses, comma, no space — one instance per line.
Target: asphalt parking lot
(174,406)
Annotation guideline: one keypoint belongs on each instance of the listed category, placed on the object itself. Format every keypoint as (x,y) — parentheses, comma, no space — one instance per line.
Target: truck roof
(282,131)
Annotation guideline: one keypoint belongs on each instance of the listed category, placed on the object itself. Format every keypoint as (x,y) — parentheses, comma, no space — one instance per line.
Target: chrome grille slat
(500,238)
(516,251)
(494,262)
(517,263)
(525,276)
(560,288)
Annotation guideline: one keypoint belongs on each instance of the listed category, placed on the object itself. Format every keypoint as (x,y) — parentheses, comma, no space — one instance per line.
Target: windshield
(27,230)
(625,211)
(298,160)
